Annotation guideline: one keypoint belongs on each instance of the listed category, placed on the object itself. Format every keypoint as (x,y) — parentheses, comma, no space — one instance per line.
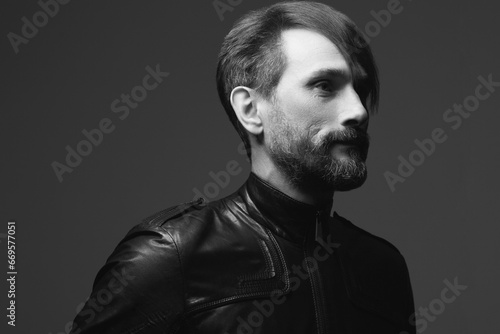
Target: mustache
(349,136)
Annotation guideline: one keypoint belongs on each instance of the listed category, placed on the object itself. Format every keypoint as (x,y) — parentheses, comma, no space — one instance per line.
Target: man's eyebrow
(330,72)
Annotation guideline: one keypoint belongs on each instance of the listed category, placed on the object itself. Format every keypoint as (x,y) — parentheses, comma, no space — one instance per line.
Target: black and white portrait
(238,167)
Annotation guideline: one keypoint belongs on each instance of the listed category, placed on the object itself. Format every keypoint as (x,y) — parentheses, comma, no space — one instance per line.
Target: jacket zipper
(319,304)
(319,229)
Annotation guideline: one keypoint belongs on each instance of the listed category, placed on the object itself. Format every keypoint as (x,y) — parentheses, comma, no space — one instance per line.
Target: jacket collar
(282,214)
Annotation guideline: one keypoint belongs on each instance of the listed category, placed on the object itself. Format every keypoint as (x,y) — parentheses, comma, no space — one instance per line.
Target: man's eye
(323,86)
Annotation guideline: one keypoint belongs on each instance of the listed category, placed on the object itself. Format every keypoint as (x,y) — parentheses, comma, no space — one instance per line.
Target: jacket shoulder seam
(174,211)
(158,219)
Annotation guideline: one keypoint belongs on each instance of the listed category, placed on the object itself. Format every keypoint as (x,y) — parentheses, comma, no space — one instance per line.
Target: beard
(308,164)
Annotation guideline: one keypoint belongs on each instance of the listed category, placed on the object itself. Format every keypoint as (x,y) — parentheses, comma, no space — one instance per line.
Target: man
(297,81)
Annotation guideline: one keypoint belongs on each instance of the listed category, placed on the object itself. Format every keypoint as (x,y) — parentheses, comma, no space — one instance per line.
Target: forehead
(307,51)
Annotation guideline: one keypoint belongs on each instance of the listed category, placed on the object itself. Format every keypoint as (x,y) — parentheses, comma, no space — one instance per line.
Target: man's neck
(305,193)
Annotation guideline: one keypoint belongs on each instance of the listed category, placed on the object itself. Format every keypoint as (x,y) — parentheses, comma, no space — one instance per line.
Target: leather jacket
(256,261)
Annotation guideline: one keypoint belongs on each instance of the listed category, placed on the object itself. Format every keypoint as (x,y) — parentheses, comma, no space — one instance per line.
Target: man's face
(316,127)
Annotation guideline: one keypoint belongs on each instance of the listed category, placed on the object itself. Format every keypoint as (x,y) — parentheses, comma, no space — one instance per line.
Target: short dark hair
(251,53)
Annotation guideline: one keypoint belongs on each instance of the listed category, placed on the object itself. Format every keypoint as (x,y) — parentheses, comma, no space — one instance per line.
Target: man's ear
(244,102)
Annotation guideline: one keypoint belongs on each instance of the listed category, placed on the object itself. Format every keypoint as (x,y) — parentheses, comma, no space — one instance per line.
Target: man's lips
(357,143)
(349,138)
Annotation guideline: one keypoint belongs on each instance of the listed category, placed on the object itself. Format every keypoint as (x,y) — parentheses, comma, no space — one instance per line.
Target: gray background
(443,218)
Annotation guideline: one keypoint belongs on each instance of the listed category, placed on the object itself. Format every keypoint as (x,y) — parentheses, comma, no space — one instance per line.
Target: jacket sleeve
(138,290)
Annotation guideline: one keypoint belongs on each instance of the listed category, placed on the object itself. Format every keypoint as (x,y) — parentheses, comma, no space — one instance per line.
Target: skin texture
(310,139)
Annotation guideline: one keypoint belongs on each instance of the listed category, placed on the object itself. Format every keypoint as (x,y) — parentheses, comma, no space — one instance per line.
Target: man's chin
(347,175)
(334,181)
(345,172)
(349,184)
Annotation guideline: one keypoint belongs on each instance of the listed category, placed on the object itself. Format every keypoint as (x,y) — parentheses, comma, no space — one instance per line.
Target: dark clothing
(257,261)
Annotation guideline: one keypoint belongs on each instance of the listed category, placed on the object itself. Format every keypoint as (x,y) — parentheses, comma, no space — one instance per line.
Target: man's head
(297,81)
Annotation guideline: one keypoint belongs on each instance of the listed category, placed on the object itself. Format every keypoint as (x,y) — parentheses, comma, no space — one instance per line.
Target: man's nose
(353,113)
